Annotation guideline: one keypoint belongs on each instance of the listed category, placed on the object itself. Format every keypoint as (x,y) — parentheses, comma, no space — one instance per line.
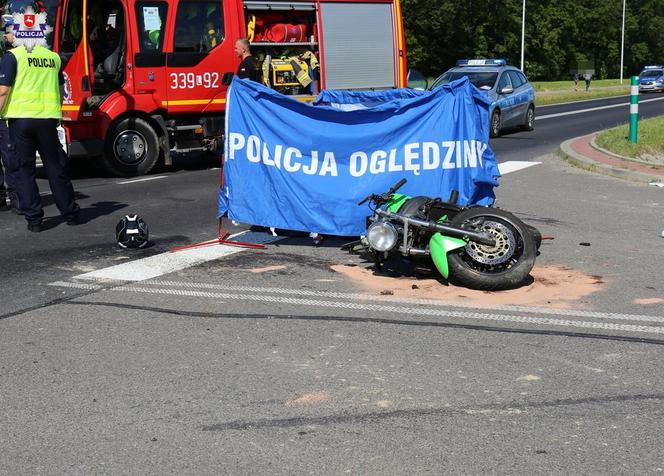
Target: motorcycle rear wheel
(506,265)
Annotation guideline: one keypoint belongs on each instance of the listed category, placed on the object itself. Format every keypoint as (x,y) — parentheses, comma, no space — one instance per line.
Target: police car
(512,96)
(651,78)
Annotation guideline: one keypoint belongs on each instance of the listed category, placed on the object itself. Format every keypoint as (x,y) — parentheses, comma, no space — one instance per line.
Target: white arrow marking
(514,165)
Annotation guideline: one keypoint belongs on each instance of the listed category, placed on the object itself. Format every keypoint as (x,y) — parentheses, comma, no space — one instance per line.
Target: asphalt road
(557,123)
(180,204)
(272,362)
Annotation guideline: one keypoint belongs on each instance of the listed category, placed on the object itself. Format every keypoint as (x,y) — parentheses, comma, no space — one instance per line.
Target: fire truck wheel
(132,147)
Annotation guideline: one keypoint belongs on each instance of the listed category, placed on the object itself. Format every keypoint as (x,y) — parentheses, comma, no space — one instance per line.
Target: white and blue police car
(512,96)
(651,79)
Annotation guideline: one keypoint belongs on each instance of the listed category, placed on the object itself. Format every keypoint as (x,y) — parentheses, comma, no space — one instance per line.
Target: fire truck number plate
(191,80)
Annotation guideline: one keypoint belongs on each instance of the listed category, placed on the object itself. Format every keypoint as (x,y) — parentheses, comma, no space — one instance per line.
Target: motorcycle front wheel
(505,265)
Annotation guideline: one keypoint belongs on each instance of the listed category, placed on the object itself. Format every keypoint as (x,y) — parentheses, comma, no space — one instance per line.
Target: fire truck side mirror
(416,80)
(227,78)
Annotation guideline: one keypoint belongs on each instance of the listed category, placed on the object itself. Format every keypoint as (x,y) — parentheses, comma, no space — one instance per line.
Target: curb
(593,144)
(614,166)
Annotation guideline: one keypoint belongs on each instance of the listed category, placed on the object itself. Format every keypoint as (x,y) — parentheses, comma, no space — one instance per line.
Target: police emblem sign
(30,29)
(29,20)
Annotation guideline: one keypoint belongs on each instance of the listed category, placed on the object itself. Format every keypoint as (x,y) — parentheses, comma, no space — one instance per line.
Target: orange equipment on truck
(144,77)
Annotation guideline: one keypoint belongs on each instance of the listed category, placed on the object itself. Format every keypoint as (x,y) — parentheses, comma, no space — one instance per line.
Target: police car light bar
(654,66)
(481,62)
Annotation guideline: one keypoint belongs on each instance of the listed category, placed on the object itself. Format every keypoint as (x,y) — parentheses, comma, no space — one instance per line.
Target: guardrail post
(634,110)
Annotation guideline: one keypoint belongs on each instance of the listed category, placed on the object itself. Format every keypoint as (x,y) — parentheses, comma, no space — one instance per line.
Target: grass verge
(556,92)
(543,98)
(554,86)
(650,144)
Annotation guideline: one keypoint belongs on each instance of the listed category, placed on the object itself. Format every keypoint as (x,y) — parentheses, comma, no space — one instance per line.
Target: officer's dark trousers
(5,175)
(25,137)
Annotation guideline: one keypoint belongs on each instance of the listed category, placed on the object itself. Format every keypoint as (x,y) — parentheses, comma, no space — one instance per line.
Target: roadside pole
(634,110)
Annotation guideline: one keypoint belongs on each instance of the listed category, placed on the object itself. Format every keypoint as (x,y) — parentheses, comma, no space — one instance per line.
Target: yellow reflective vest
(36,90)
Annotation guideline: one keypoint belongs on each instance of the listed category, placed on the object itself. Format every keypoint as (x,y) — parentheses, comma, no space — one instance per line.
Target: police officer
(30,92)
(6,192)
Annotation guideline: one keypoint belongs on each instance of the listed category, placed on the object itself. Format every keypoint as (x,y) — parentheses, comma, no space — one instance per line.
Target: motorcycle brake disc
(498,254)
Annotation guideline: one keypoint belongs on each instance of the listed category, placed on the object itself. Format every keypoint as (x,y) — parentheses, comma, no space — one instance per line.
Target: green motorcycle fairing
(439,245)
(396,202)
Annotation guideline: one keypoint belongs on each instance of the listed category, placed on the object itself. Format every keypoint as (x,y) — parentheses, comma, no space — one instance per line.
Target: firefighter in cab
(30,103)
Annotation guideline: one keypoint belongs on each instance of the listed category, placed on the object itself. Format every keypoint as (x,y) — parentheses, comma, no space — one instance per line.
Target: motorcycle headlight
(382,235)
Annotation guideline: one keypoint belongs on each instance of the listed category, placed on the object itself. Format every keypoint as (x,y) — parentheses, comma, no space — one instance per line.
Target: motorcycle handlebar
(397,186)
(366,199)
(385,196)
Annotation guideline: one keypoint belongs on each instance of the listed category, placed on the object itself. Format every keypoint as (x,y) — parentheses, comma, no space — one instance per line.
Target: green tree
(560,34)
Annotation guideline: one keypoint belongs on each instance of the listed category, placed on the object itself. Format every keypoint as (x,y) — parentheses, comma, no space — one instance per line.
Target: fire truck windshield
(105,31)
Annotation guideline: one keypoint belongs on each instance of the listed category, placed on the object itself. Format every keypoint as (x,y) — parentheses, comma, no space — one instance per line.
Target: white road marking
(387,304)
(145,179)
(68,284)
(514,165)
(397,300)
(580,102)
(160,264)
(412,311)
(599,108)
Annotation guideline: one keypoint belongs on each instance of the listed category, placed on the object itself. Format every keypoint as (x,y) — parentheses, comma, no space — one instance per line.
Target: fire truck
(147,78)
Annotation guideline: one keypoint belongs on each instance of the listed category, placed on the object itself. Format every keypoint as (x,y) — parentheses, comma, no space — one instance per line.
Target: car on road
(511,94)
(651,79)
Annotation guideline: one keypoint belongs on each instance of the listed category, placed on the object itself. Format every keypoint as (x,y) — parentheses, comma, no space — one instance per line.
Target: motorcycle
(478,247)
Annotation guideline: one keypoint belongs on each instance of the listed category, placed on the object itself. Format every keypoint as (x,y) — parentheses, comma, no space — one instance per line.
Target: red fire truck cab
(145,78)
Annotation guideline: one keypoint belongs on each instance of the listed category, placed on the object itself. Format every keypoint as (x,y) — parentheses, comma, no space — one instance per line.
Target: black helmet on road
(132,232)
